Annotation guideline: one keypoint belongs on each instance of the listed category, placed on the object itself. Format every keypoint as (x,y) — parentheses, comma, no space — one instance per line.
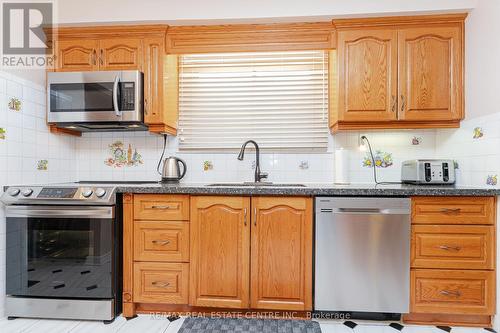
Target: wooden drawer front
(451,210)
(453,292)
(161,241)
(161,282)
(448,246)
(161,207)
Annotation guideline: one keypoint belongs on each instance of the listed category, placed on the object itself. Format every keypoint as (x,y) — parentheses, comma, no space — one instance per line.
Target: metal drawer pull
(161,242)
(245,216)
(450,293)
(160,284)
(450,248)
(451,210)
(160,207)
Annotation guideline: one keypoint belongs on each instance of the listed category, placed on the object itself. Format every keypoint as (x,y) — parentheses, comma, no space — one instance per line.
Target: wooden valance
(250,38)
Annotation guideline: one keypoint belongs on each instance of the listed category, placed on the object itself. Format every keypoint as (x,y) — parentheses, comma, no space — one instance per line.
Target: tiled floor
(147,324)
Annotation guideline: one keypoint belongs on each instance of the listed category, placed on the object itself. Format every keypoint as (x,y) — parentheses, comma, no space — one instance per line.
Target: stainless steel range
(63,252)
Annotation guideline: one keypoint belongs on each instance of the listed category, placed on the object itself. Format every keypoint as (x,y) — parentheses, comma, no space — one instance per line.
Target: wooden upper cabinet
(430,73)
(120,54)
(281,255)
(397,72)
(153,79)
(220,249)
(367,75)
(76,55)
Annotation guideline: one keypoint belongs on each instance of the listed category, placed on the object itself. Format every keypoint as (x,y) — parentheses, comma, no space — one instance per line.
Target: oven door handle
(115,96)
(60,212)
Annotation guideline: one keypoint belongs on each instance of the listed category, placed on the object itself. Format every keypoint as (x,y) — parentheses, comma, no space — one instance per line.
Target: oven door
(86,97)
(60,252)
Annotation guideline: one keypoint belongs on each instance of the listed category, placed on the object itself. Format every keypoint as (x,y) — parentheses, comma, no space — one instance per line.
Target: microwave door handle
(115,96)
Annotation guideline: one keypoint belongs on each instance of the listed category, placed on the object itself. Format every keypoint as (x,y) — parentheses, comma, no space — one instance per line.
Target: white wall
(97,11)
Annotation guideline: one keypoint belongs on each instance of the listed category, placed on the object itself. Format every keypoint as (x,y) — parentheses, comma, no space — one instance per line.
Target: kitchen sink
(256,184)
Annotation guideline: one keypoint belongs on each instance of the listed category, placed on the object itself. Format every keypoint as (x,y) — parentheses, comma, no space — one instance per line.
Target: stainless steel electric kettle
(171,169)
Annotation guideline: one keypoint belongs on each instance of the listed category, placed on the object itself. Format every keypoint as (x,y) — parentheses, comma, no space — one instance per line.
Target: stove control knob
(27,192)
(14,192)
(100,192)
(87,192)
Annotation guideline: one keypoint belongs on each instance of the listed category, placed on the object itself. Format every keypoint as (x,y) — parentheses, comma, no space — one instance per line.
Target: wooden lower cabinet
(161,241)
(453,261)
(453,291)
(251,253)
(220,251)
(281,253)
(161,282)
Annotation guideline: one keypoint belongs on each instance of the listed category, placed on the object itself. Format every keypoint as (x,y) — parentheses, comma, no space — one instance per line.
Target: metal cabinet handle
(393,102)
(160,284)
(160,242)
(450,293)
(450,210)
(450,248)
(101,58)
(245,216)
(403,104)
(160,207)
(255,216)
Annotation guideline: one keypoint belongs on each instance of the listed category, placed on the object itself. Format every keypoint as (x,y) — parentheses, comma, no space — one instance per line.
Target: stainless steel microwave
(96,101)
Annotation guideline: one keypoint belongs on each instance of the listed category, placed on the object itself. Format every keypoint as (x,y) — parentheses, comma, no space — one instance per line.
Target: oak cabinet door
(76,55)
(281,253)
(153,80)
(367,66)
(120,54)
(430,74)
(220,235)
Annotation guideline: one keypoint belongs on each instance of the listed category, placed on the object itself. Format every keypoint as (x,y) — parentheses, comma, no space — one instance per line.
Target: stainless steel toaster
(428,172)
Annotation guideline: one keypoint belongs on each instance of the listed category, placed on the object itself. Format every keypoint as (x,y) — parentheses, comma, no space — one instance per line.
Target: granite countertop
(311,190)
(322,189)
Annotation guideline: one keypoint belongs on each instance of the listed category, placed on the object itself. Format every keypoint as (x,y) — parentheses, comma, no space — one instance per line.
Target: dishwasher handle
(370,211)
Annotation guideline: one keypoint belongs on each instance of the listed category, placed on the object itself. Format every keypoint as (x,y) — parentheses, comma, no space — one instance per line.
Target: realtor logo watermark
(24,43)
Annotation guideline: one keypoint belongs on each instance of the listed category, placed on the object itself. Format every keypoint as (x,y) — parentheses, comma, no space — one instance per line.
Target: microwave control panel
(127,96)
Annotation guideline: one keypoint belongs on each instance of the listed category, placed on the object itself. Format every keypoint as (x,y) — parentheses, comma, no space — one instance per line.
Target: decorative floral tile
(304,165)
(2,133)
(477,133)
(492,180)
(15,104)
(42,165)
(382,159)
(121,157)
(416,141)
(207,165)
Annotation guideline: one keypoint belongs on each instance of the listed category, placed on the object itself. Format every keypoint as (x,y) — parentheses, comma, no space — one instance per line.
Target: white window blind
(279,99)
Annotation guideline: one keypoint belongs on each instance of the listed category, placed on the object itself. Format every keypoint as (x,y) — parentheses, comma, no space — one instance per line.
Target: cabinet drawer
(161,241)
(453,210)
(453,292)
(161,207)
(449,246)
(161,282)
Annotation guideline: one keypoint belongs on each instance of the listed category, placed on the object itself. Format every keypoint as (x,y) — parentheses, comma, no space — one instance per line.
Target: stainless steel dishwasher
(362,259)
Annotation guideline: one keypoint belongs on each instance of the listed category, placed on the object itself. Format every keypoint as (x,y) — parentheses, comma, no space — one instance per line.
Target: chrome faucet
(258,175)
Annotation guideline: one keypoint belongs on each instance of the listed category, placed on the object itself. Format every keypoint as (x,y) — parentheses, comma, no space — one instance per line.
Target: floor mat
(242,325)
